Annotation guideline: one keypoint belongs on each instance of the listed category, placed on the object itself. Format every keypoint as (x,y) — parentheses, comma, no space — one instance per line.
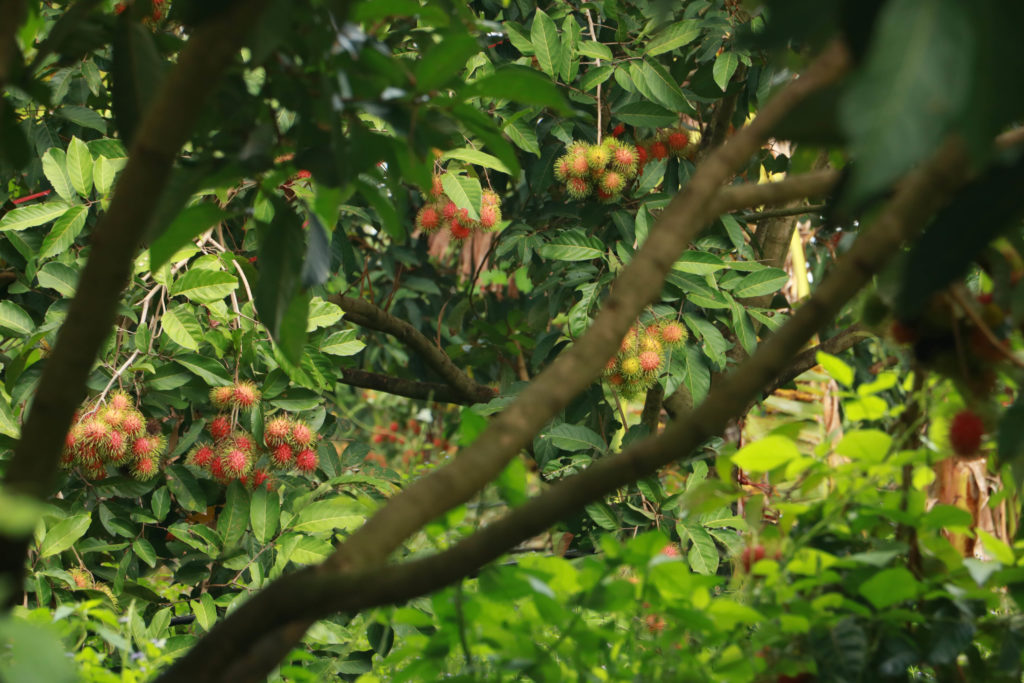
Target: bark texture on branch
(410,388)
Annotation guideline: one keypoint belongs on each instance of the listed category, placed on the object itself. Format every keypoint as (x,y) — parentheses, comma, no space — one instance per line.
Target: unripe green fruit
(578,188)
(631,367)
(597,157)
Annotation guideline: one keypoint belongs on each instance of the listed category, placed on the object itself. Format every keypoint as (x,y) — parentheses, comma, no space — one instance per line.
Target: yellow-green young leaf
(204,286)
(264,513)
(205,610)
(890,587)
(996,548)
(675,35)
(325,515)
(547,47)
(475,156)
(55,170)
(64,231)
(62,536)
(8,421)
(724,68)
(104,171)
(182,328)
(865,445)
(464,191)
(766,454)
(32,215)
(342,343)
(311,550)
(58,276)
(79,165)
(322,314)
(836,368)
(14,319)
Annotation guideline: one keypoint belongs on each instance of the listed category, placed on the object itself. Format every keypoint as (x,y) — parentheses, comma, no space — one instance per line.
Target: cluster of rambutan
(441,213)
(605,169)
(113,433)
(641,357)
(233,453)
(667,142)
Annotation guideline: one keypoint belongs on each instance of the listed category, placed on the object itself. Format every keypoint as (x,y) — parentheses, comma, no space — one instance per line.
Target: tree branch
(167,125)
(318,591)
(425,391)
(806,360)
(366,314)
(363,553)
(768,214)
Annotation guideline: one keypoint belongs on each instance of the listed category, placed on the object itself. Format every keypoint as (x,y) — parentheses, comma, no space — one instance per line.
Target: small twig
(117,373)
(782,212)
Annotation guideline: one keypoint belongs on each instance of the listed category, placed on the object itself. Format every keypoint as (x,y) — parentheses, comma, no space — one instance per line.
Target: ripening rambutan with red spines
(578,166)
(642,155)
(114,445)
(612,364)
(94,431)
(677,140)
(120,401)
(202,456)
(245,394)
(578,188)
(490,215)
(658,150)
(306,461)
(650,361)
(281,455)
(146,446)
(965,432)
(436,187)
(236,462)
(625,160)
(258,477)
(616,379)
(243,441)
(673,333)
(277,431)
(449,210)
(302,435)
(618,130)
(146,468)
(561,169)
(222,397)
(217,468)
(612,182)
(133,424)
(458,230)
(112,416)
(219,427)
(490,198)
(428,218)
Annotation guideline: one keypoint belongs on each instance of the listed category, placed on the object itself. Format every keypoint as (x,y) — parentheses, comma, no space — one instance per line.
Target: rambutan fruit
(561,169)
(490,198)
(114,445)
(606,197)
(217,468)
(93,431)
(677,140)
(490,215)
(147,446)
(306,461)
(612,182)
(219,427)
(133,424)
(618,130)
(112,416)
(201,456)
(449,210)
(658,150)
(673,333)
(302,435)
(577,148)
(94,471)
(965,432)
(281,455)
(642,155)
(578,188)
(650,343)
(458,230)
(277,431)
(631,366)
(145,468)
(258,477)
(236,462)
(650,361)
(629,342)
(243,441)
(428,218)
(616,379)
(245,394)
(597,157)
(120,401)
(625,160)
(578,166)
(611,365)
(222,397)
(436,187)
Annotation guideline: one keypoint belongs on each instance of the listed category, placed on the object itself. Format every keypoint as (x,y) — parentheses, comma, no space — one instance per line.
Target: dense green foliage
(818,539)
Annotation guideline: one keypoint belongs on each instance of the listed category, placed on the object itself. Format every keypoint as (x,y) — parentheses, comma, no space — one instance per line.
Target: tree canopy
(418,340)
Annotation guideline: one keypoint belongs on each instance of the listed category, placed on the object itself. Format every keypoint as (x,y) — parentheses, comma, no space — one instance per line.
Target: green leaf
(703,554)
(698,262)
(519,84)
(264,513)
(915,81)
(445,60)
(233,519)
(523,136)
(865,445)
(190,223)
(55,170)
(60,277)
(204,286)
(342,343)
(645,115)
(13,318)
(573,246)
(32,215)
(186,489)
(767,281)
(104,171)
(64,231)
(311,550)
(675,35)
(79,166)
(10,427)
(291,339)
(546,46)
(664,88)
(836,368)
(323,314)
(83,116)
(474,156)
(724,68)
(595,50)
(339,512)
(160,503)
(182,327)
(464,191)
(573,438)
(696,373)
(144,551)
(743,328)
(64,534)
(766,454)
(385,207)
(890,587)
(595,77)
(207,369)
(205,610)
(602,515)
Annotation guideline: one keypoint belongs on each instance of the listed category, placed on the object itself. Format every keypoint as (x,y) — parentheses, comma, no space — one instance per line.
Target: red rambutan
(245,394)
(965,432)
(219,427)
(306,461)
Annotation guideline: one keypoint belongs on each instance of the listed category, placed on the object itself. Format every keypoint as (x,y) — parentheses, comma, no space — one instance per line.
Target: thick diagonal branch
(399,386)
(166,127)
(366,314)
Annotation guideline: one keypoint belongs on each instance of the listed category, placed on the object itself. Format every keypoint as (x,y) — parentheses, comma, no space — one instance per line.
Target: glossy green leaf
(675,35)
(185,488)
(233,519)
(725,66)
(645,115)
(55,170)
(546,45)
(445,60)
(767,281)
(475,156)
(64,231)
(204,286)
(766,454)
(703,553)
(207,369)
(182,327)
(60,277)
(63,535)
(340,512)
(144,550)
(104,172)
(464,191)
(573,246)
(32,215)
(519,84)
(79,167)
(14,319)
(264,513)
(572,438)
